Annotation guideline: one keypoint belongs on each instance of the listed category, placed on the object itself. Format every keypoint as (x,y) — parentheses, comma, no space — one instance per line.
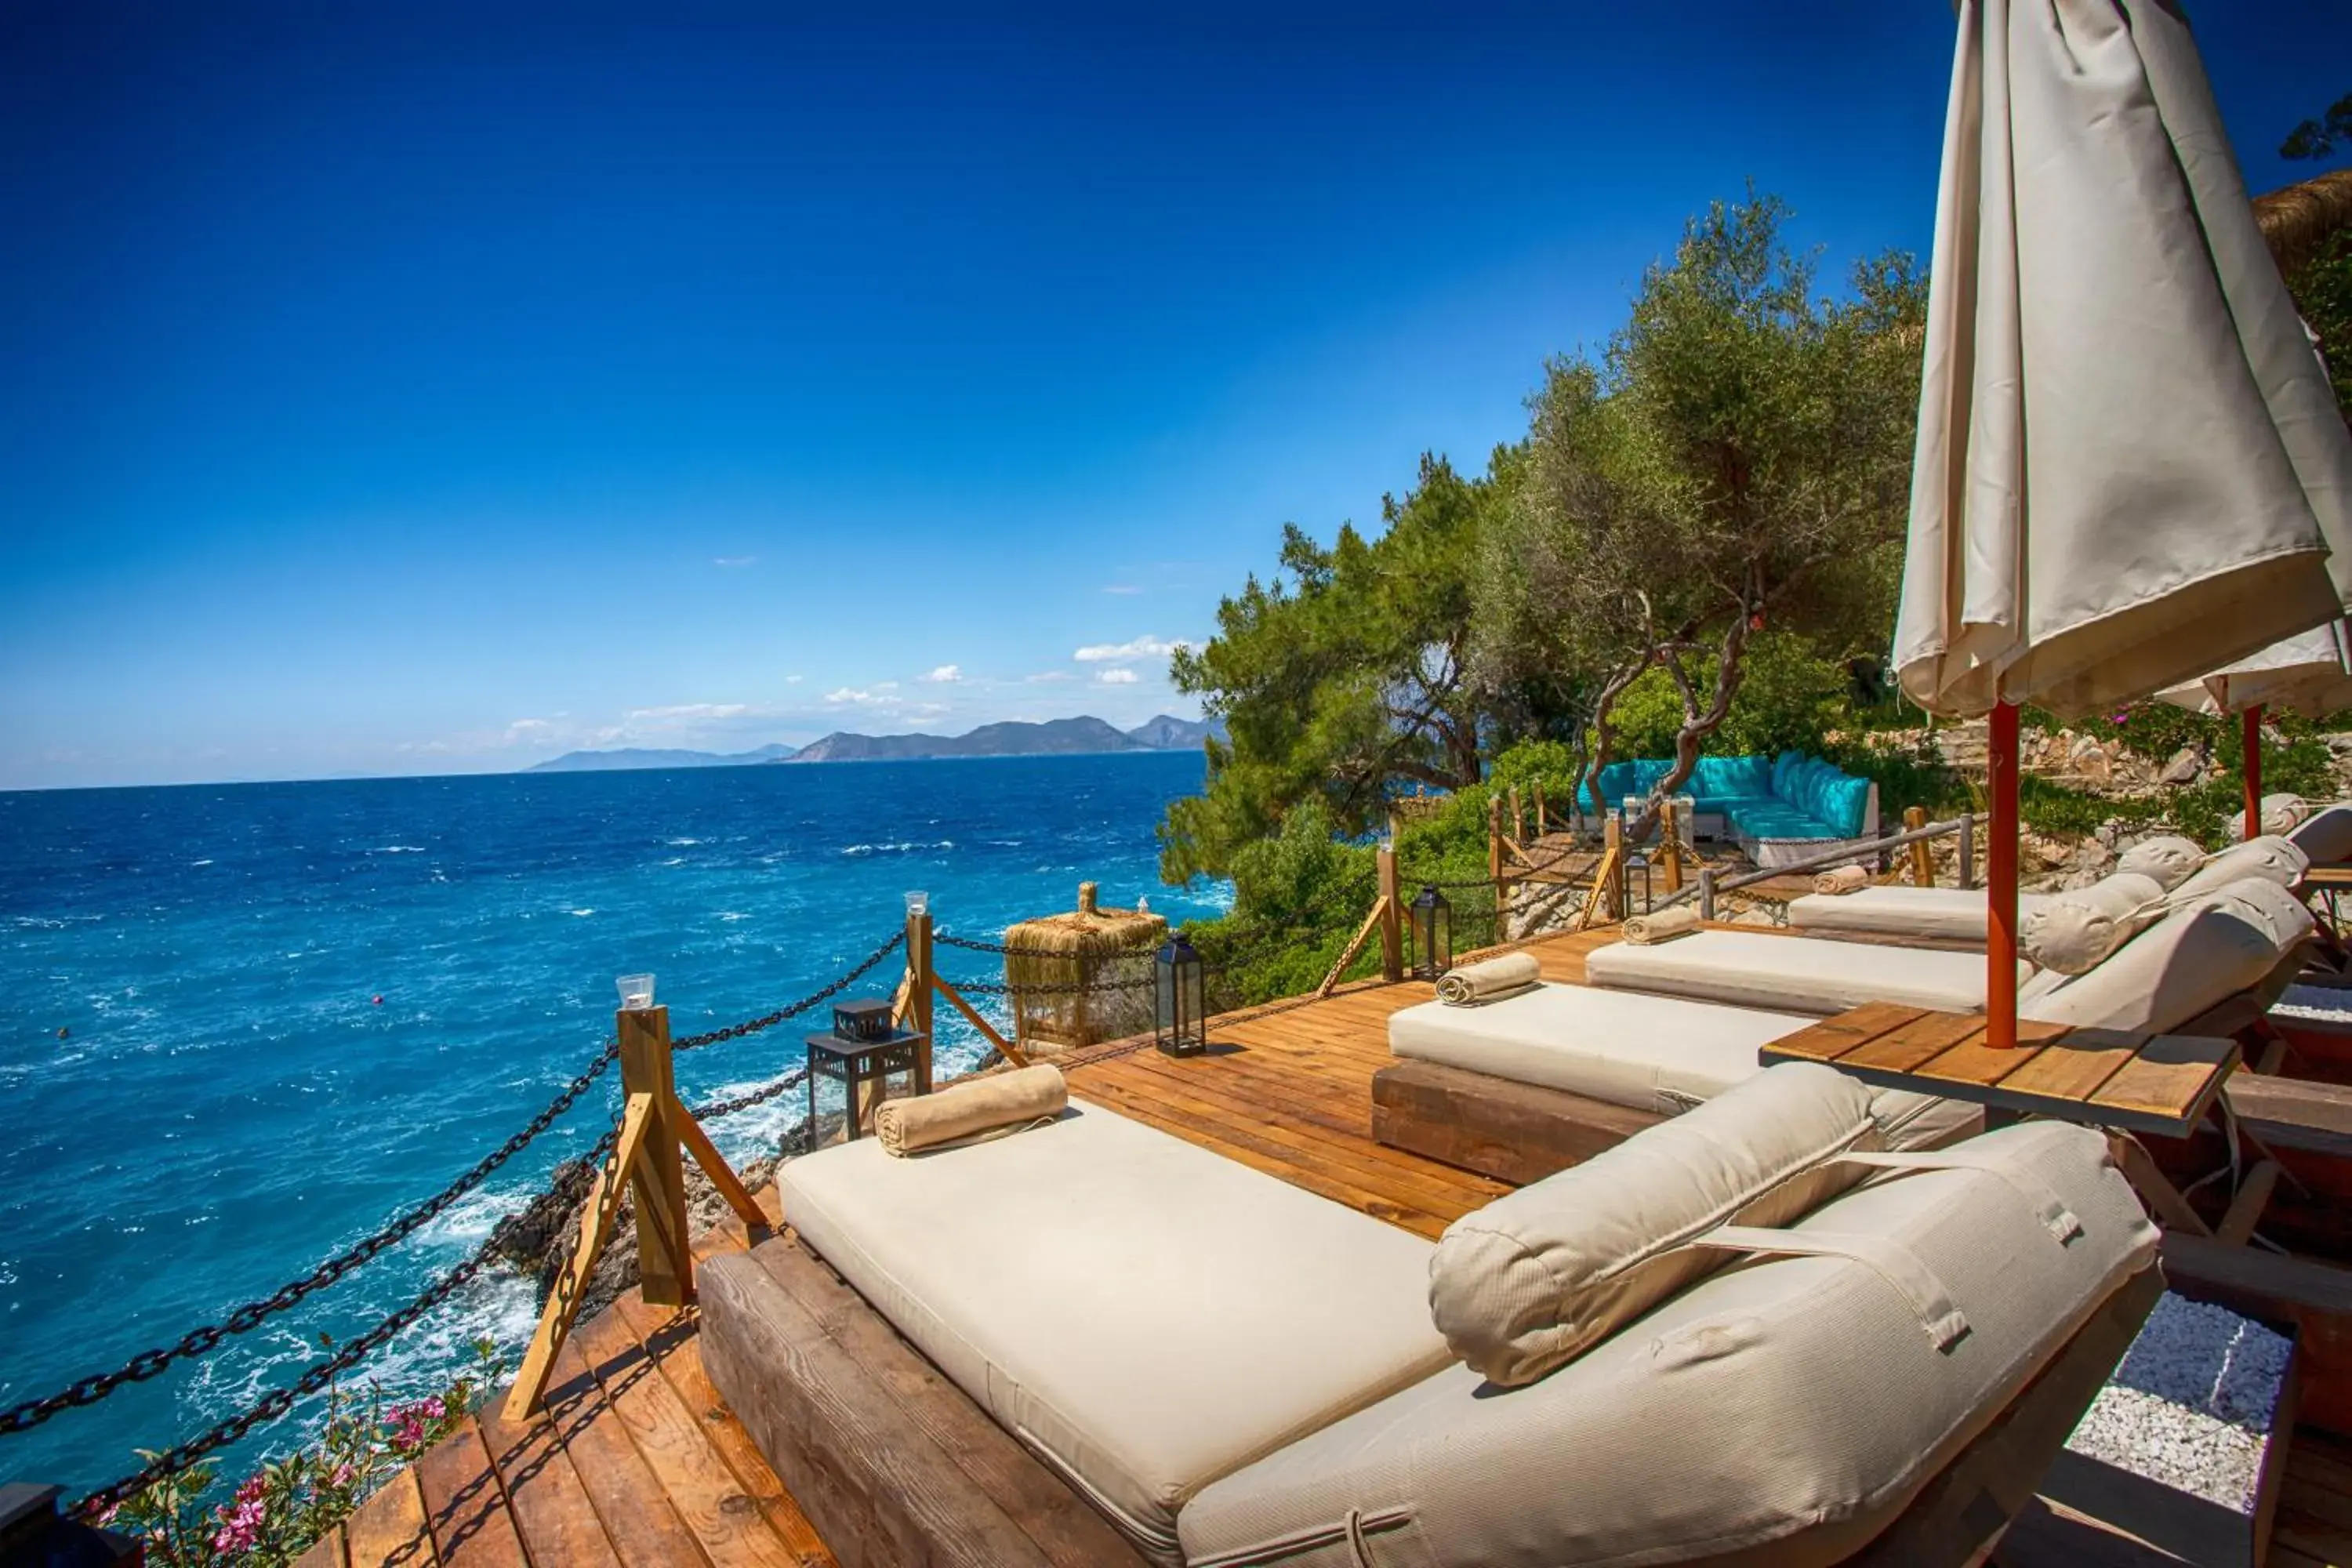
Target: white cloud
(732,562)
(844,694)
(945,675)
(1048,675)
(1117,677)
(794,680)
(1121,588)
(1142,647)
(688,712)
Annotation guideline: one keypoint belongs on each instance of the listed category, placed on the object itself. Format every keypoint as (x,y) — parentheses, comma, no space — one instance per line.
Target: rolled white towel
(1663,926)
(1496,977)
(1844,879)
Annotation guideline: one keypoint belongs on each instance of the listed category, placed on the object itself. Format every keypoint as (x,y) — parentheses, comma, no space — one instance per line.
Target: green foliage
(2318,138)
(281,1509)
(1298,897)
(2322,287)
(1905,775)
(1343,677)
(1788,694)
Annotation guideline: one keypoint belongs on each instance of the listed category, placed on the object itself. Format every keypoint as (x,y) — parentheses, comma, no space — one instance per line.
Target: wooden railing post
(1613,865)
(1967,850)
(1543,824)
(657,1183)
(921,978)
(1706,892)
(1495,845)
(1391,908)
(1923,858)
(1670,820)
(1518,820)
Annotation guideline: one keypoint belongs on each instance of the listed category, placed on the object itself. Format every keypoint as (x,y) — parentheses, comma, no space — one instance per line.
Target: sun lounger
(2326,836)
(1251,1375)
(2162,981)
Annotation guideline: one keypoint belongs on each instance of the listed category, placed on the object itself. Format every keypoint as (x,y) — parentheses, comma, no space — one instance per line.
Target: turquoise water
(231,1103)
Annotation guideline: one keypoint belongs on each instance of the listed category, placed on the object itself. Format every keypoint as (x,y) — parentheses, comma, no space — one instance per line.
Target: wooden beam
(1923,860)
(2293,1113)
(1601,875)
(657,1181)
(2155,1188)
(1671,855)
(596,1229)
(1355,945)
(723,1175)
(1391,908)
(1012,1052)
(2245,1209)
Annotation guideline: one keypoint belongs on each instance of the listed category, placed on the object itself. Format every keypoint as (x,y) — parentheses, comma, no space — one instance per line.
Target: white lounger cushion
(1537,1277)
(2269,856)
(1751,969)
(2326,836)
(1955,914)
(2188,962)
(2168,857)
(1144,1314)
(2074,932)
(1793,1400)
(1663,1054)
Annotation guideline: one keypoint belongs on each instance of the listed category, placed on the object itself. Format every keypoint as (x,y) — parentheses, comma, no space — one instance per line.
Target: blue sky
(427,388)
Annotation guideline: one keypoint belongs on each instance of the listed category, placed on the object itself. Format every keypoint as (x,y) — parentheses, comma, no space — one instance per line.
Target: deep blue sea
(231,1102)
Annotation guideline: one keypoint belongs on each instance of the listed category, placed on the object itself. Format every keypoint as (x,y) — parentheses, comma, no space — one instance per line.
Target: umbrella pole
(2001,890)
(2254,771)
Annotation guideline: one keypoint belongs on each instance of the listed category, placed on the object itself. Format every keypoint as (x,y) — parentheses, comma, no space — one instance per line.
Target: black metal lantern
(1432,934)
(1637,865)
(1179,999)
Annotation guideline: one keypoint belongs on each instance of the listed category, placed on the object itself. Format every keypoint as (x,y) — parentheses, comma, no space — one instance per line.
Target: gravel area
(2191,1405)
(2316,1001)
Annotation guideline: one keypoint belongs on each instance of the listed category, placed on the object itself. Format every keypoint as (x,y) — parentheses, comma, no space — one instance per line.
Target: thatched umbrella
(1076,977)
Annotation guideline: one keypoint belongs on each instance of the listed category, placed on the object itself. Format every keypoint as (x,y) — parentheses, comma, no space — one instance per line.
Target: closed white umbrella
(2130,470)
(2310,674)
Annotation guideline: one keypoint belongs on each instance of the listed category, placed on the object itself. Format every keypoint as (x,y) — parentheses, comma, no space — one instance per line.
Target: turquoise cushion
(1847,803)
(1783,766)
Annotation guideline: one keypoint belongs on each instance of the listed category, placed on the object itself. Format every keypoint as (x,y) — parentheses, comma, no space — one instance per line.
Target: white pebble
(2191,1405)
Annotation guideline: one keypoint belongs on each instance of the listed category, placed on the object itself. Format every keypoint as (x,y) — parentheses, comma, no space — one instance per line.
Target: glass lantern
(636,991)
(1179,999)
(1432,934)
(1637,868)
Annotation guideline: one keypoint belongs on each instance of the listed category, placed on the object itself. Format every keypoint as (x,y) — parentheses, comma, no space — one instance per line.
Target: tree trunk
(1698,725)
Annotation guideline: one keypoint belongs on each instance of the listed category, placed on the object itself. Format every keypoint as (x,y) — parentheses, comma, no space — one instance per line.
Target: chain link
(1023,988)
(203,1340)
(769,1020)
(972,944)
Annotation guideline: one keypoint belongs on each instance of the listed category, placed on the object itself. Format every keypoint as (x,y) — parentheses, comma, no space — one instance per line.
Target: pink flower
(240,1526)
(342,1475)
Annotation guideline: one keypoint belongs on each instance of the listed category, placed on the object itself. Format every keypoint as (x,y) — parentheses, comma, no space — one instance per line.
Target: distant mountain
(1168,734)
(642,757)
(1056,737)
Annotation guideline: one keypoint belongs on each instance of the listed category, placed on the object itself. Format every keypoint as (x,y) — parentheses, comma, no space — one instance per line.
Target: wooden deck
(639,1465)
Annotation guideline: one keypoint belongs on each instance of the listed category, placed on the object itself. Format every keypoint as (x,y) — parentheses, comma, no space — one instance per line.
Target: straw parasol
(2297,221)
(1090,946)
(2124,477)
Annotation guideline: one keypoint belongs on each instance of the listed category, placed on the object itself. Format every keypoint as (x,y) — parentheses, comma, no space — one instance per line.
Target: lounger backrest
(1795,1400)
(2271,858)
(2326,836)
(2188,962)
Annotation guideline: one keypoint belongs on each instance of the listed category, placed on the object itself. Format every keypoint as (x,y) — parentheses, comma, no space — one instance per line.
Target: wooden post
(1495,845)
(2000,897)
(1923,859)
(1519,824)
(1706,892)
(919,978)
(1967,850)
(1543,825)
(2252,770)
(1670,817)
(1391,916)
(1612,865)
(657,1183)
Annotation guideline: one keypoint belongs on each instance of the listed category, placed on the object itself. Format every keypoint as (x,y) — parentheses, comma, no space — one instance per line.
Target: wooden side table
(856,1065)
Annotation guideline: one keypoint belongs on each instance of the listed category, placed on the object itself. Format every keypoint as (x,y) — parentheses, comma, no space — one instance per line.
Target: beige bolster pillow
(1844,879)
(1541,1275)
(2073,933)
(1663,926)
(979,1105)
(2261,904)
(2168,857)
(1495,977)
(2269,858)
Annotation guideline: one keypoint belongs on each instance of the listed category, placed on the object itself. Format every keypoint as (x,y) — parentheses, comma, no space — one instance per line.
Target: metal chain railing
(203,1340)
(769,1020)
(1024,988)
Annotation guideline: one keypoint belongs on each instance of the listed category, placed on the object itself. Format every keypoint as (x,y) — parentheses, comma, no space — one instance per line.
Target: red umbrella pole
(2000,891)
(2253,719)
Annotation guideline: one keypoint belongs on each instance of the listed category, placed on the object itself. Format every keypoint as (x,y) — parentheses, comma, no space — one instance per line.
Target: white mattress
(1145,1315)
(1749,969)
(1954,913)
(1661,1054)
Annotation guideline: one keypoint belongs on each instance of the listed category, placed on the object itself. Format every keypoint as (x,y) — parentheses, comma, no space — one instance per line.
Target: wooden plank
(2155,1188)
(388,1530)
(2245,1211)
(1975,1061)
(1065,1527)
(1903,1049)
(879,1488)
(550,1506)
(670,1338)
(1833,1037)
(1517,1132)
(1006,1048)
(2074,1066)
(724,1518)
(639,1522)
(2292,1113)
(327,1552)
(714,1165)
(463,1505)
(2173,1077)
(658,1175)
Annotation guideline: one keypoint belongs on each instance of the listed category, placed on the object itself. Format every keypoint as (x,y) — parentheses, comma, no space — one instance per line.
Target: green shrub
(1789,695)
(1905,775)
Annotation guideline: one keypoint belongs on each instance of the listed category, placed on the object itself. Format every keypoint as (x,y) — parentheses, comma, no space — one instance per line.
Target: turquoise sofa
(1778,808)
